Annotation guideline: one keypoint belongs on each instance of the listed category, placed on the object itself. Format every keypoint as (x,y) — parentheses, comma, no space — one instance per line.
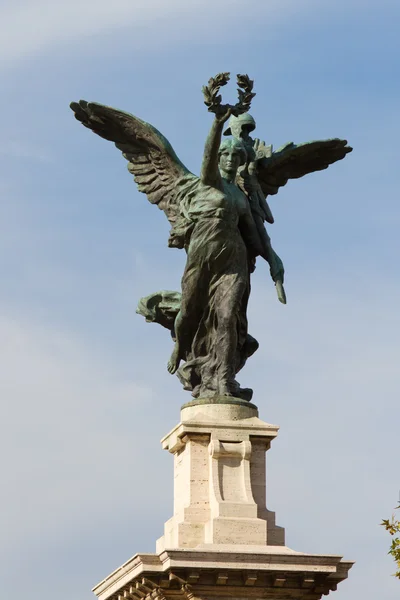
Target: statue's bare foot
(174,361)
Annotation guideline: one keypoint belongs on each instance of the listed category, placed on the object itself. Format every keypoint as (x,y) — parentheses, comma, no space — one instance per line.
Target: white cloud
(32,26)
(66,426)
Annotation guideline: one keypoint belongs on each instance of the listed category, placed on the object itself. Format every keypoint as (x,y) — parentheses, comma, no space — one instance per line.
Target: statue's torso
(235,199)
(223,207)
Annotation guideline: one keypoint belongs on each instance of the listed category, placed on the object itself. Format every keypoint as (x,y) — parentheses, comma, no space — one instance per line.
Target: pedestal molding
(181,574)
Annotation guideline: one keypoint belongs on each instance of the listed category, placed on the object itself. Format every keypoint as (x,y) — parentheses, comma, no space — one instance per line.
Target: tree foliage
(393,527)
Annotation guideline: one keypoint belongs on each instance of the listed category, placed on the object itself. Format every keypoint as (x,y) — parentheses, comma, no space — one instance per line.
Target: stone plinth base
(219,477)
(248,572)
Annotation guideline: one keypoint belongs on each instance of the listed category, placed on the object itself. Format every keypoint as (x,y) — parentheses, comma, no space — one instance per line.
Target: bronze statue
(218,218)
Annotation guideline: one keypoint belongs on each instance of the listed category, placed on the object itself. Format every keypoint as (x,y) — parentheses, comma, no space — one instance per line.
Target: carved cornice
(283,576)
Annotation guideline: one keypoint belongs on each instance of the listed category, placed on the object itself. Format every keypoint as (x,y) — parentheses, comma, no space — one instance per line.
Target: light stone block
(219,478)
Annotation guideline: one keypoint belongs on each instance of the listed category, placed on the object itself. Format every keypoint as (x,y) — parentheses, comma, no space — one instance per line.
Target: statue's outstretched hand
(223,113)
(277,273)
(276,267)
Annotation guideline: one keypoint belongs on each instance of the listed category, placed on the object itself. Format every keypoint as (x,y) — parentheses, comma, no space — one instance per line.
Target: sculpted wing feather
(157,170)
(274,169)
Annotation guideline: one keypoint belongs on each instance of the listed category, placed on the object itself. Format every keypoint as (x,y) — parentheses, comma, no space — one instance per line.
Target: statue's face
(230,159)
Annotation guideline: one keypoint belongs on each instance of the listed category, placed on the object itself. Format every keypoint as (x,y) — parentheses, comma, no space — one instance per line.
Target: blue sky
(83,382)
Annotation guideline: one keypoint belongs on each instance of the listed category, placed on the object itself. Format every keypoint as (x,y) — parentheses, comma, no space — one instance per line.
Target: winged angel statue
(218,218)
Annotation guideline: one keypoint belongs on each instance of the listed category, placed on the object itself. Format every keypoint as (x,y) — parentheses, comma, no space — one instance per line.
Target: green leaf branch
(393,527)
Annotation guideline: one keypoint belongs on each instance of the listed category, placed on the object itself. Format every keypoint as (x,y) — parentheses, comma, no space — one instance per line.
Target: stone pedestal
(221,539)
(220,478)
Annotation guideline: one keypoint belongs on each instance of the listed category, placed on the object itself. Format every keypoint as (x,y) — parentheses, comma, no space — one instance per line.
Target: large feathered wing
(274,169)
(156,168)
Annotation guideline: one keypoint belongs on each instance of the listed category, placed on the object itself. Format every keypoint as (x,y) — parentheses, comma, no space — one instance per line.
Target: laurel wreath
(213,99)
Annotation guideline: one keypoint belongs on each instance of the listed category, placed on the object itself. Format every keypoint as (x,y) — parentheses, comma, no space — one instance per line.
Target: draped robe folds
(215,288)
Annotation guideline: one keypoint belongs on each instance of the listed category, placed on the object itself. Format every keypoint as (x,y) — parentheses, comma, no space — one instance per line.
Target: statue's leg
(186,318)
(228,302)
(175,358)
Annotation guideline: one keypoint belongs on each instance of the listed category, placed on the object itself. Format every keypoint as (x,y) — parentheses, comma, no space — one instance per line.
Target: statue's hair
(235,143)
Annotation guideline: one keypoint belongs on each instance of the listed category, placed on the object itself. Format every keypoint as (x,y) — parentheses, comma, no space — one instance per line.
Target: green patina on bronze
(218,219)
